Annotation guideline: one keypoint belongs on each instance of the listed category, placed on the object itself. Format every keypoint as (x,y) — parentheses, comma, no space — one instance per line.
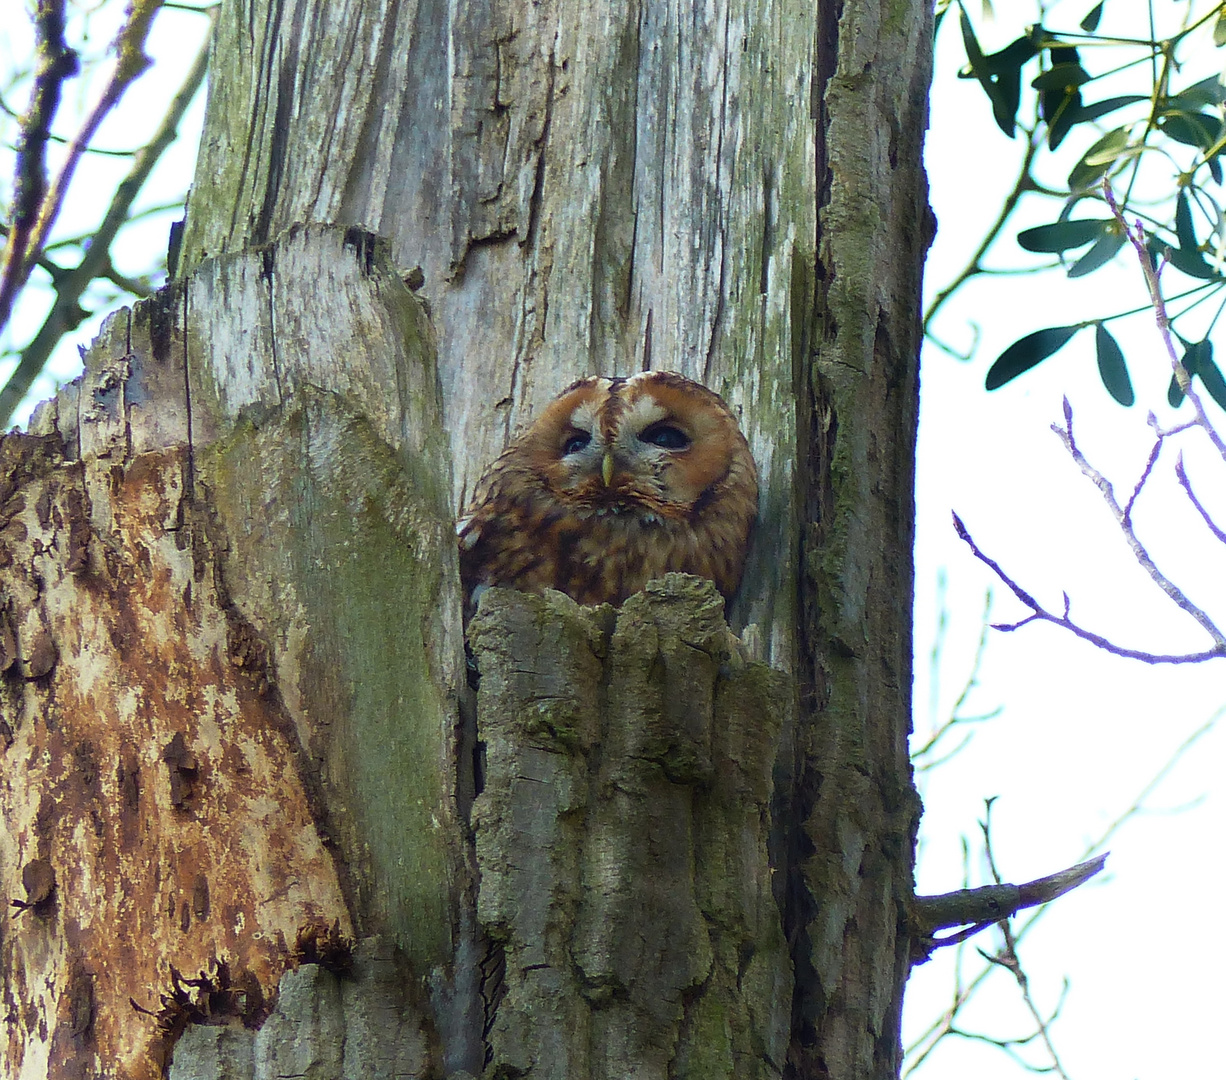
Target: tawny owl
(618,481)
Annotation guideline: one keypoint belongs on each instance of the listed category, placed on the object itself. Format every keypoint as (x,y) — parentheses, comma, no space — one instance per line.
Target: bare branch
(1149,468)
(991,903)
(1040,613)
(57,64)
(96,261)
(1123,519)
(943,1025)
(1182,474)
(1008,958)
(130,63)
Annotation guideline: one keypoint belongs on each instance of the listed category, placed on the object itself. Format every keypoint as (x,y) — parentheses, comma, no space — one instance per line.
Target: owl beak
(606,469)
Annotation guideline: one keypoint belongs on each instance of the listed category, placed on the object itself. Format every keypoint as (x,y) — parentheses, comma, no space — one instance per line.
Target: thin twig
(1149,468)
(1041,614)
(956,717)
(130,63)
(1021,184)
(57,64)
(1182,474)
(1123,519)
(1008,957)
(96,261)
(924,1044)
(1136,237)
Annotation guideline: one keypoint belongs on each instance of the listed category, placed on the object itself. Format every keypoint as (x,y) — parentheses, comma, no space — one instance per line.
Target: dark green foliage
(1097,162)
(1198,362)
(1000,74)
(1111,367)
(1026,352)
(1102,252)
(1186,128)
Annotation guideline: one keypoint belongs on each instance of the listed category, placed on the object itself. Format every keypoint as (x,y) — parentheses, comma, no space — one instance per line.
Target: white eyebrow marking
(643,413)
(584,417)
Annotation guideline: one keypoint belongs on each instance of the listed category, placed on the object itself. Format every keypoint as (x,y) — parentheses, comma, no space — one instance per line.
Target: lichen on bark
(622,838)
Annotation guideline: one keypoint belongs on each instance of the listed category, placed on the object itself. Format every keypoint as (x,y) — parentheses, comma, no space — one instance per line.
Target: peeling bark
(233,601)
(141,643)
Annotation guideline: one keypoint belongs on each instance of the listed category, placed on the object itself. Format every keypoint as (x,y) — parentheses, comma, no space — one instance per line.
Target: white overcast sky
(1080,733)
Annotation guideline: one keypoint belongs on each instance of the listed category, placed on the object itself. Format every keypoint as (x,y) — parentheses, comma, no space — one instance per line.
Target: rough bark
(231,556)
(622,839)
(852,822)
(242,584)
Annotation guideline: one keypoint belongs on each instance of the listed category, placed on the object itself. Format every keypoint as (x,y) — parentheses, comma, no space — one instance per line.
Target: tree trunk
(256,821)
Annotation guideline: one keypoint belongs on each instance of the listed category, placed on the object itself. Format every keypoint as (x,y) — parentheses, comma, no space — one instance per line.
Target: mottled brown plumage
(618,481)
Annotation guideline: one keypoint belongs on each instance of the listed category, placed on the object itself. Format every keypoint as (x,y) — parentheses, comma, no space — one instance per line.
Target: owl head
(617,481)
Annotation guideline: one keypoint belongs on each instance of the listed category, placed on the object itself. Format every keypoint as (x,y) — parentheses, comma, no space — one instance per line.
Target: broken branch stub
(622,838)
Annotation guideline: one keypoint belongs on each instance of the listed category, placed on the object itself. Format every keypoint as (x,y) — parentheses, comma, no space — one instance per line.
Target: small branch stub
(983,907)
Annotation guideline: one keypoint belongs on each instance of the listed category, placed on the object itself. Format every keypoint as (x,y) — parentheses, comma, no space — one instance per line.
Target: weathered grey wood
(364,1024)
(622,837)
(592,188)
(850,769)
(318,445)
(259,524)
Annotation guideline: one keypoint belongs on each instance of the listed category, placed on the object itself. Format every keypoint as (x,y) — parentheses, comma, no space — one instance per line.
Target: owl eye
(576,442)
(666,436)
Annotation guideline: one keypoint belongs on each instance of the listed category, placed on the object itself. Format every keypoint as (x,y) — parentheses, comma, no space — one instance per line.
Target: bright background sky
(1080,733)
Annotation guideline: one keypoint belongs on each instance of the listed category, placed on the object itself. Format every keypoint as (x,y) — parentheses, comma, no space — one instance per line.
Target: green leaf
(1219,29)
(1183,223)
(1061,77)
(1090,23)
(974,54)
(1102,252)
(1070,112)
(1097,161)
(1197,361)
(1026,352)
(979,65)
(1188,258)
(1111,367)
(1005,70)
(998,74)
(1059,92)
(1060,115)
(1063,235)
(1191,128)
(1107,105)
(1208,91)
(1210,374)
(1191,263)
